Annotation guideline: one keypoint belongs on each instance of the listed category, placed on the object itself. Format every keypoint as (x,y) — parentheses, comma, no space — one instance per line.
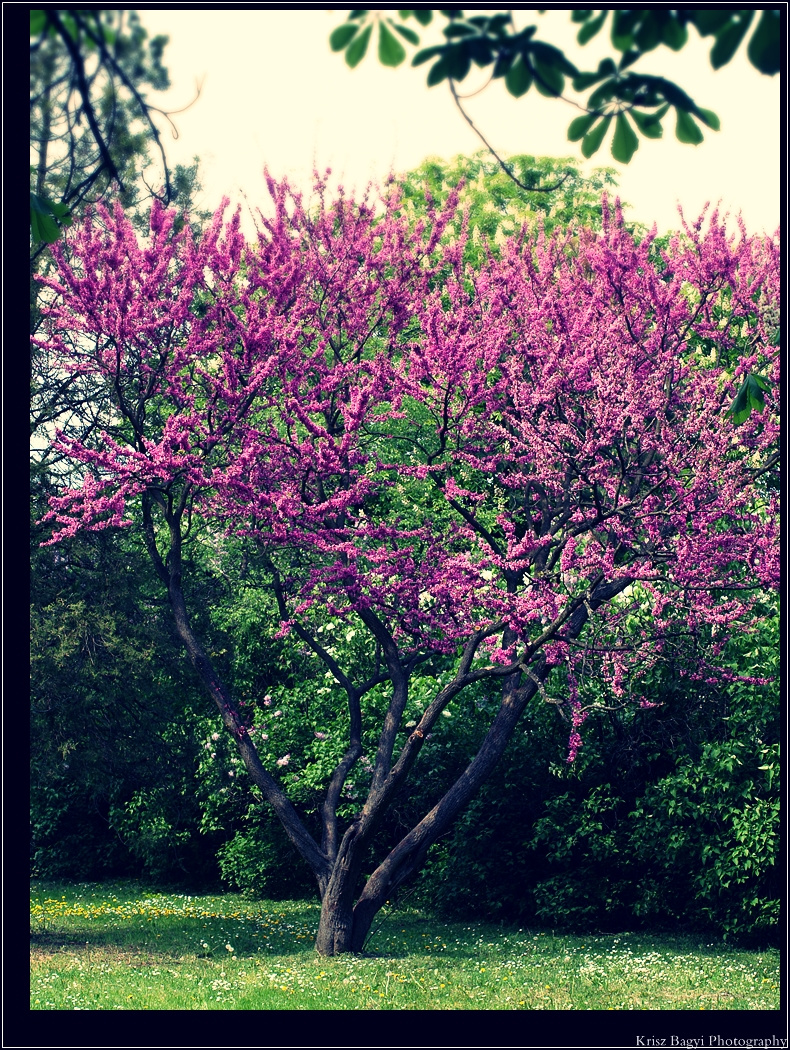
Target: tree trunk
(338,929)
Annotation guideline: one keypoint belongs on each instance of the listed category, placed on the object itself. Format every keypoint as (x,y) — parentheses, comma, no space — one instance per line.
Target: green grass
(120,946)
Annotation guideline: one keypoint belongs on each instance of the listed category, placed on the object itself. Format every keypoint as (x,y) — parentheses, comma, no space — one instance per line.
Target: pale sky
(274,94)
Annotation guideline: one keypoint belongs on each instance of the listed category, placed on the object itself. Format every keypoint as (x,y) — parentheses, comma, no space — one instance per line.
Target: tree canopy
(501,480)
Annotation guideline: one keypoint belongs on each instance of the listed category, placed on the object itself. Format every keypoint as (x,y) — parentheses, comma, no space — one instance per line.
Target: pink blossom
(573,492)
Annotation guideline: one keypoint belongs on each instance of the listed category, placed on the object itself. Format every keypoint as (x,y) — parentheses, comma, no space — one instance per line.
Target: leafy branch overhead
(621,100)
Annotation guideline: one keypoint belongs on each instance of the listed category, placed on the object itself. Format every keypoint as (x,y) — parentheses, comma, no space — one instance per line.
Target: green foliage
(521,60)
(668,819)
(261,862)
(114,717)
(496,206)
(47,219)
(749,398)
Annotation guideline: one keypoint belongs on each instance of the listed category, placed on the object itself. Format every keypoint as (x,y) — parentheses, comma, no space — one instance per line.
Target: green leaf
(579,127)
(423,16)
(686,130)
(580,16)
(763,49)
(519,79)
(629,58)
(673,33)
(591,142)
(458,61)
(623,22)
(648,35)
(749,398)
(438,72)
(590,28)
(391,51)
(709,21)
(585,80)
(456,29)
(625,141)
(407,34)
(546,54)
(38,20)
(602,94)
(341,36)
(548,80)
(707,116)
(648,123)
(64,216)
(358,47)
(427,54)
(504,61)
(729,38)
(480,50)
(45,219)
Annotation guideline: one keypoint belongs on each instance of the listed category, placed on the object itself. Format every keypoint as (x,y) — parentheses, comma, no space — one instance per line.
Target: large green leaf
(707,116)
(591,142)
(625,141)
(46,219)
(649,124)
(438,72)
(729,38)
(548,79)
(518,79)
(763,49)
(458,61)
(358,47)
(391,51)
(748,399)
(686,129)
(579,127)
(673,33)
(624,22)
(648,35)
(591,27)
(708,20)
(341,36)
(427,54)
(407,34)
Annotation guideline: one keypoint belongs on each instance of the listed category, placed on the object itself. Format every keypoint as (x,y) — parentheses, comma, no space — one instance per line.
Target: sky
(272,93)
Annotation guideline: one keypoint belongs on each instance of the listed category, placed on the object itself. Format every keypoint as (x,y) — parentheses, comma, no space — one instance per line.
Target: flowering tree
(484,474)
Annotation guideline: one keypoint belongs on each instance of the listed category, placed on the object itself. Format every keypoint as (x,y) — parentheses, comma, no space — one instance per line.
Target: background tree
(514,480)
(494,208)
(95,695)
(92,126)
(629,102)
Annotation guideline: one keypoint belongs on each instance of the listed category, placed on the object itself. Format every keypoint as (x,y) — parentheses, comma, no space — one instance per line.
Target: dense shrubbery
(670,819)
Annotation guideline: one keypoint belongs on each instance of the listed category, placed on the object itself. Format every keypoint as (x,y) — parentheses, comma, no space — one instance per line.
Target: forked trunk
(341,929)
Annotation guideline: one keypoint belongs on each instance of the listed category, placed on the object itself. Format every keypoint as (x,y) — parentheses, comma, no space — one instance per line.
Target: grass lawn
(121,946)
